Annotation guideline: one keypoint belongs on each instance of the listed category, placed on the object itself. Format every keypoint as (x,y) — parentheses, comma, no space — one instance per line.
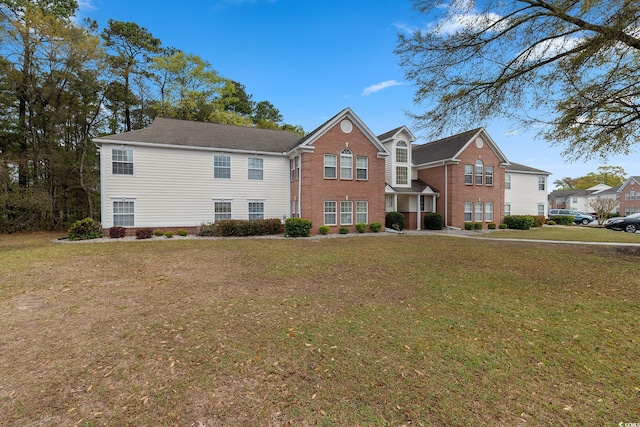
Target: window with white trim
(541,209)
(221,210)
(330,166)
(402,175)
(479,172)
(330,213)
(256,210)
(488,175)
(292,165)
(488,211)
(362,167)
(507,181)
(255,169)
(478,212)
(122,161)
(362,212)
(468,211)
(346,212)
(123,213)
(542,181)
(402,152)
(468,174)
(346,164)
(507,209)
(222,166)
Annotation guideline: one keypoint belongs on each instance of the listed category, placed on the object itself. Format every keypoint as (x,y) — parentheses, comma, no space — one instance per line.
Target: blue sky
(311,59)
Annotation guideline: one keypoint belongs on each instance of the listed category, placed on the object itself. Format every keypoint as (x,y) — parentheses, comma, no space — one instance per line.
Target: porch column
(433,203)
(395,202)
(418,212)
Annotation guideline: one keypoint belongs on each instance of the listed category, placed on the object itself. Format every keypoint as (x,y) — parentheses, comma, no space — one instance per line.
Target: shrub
(394,220)
(551,222)
(251,227)
(433,221)
(519,222)
(375,227)
(538,220)
(183,233)
(144,233)
(344,230)
(324,230)
(477,226)
(502,226)
(158,233)
(168,234)
(117,232)
(85,229)
(361,227)
(469,225)
(562,219)
(207,229)
(297,227)
(491,226)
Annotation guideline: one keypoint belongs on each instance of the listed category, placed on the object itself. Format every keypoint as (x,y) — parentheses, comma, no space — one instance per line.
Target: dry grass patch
(382,330)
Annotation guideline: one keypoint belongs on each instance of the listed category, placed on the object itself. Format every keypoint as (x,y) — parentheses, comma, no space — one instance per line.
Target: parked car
(629,223)
(578,217)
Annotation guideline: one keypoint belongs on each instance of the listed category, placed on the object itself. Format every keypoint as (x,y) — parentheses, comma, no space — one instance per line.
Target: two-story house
(181,174)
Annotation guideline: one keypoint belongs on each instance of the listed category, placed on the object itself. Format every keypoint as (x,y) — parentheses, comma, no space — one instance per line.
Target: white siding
(524,195)
(175,187)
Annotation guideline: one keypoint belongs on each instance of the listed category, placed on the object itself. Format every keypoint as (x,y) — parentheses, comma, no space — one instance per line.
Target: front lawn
(576,233)
(380,330)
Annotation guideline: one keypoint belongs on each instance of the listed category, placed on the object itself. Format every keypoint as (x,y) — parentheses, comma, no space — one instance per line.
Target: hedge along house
(180,174)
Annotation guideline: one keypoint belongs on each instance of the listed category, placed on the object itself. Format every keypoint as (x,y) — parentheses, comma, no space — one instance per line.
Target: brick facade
(630,197)
(315,189)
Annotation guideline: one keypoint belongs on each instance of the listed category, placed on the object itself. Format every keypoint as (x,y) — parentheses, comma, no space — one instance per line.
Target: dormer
(398,170)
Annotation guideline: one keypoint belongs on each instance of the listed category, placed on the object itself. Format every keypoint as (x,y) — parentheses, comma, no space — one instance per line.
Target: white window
(541,209)
(402,152)
(346,213)
(488,211)
(488,175)
(255,168)
(256,210)
(221,210)
(507,181)
(478,212)
(330,213)
(362,167)
(330,166)
(541,182)
(123,213)
(468,174)
(298,161)
(468,211)
(222,166)
(402,175)
(292,164)
(362,212)
(346,164)
(507,209)
(122,161)
(479,172)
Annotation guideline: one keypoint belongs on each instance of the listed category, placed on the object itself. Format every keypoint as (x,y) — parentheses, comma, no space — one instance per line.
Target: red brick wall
(459,192)
(316,189)
(625,204)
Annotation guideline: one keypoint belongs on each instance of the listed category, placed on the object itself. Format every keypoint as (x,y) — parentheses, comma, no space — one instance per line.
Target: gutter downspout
(446,194)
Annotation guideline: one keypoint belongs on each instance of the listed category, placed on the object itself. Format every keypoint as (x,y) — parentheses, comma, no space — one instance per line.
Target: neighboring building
(180,174)
(629,196)
(558,198)
(579,200)
(525,190)
(613,194)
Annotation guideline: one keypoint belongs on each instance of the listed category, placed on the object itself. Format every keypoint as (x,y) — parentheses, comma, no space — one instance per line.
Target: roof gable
(309,140)
(396,134)
(185,133)
(630,180)
(450,148)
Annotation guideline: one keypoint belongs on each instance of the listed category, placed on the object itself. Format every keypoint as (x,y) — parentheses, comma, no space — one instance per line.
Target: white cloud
(380,86)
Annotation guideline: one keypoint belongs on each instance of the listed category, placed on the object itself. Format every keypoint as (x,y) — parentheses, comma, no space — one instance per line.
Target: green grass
(384,330)
(568,233)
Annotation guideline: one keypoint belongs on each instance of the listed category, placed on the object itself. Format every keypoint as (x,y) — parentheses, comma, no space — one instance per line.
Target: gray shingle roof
(209,135)
(522,168)
(441,149)
(389,134)
(417,186)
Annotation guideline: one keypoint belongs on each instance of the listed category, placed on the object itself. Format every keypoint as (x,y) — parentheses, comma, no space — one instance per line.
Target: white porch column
(433,203)
(418,212)
(395,202)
